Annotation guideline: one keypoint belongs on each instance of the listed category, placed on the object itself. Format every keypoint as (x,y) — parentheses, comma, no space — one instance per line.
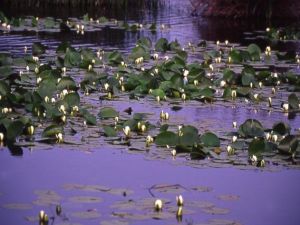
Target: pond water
(97,182)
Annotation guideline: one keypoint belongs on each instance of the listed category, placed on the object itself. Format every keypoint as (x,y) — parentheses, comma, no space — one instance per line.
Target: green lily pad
(109,131)
(107,112)
(293,101)
(288,145)
(209,139)
(52,130)
(251,128)
(166,138)
(38,48)
(281,128)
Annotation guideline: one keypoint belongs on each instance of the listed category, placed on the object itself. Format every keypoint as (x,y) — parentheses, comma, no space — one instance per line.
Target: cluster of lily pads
(78,25)
(41,94)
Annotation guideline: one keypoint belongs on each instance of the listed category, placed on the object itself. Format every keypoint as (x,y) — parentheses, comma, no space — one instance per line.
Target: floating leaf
(166,138)
(251,128)
(210,139)
(72,58)
(257,146)
(107,112)
(115,57)
(293,101)
(281,128)
(5,71)
(38,48)
(162,45)
(52,130)
(288,145)
(72,99)
(109,131)
(254,51)
(14,130)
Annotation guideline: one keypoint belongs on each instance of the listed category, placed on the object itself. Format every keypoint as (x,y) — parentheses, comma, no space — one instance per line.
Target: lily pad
(107,112)
(210,139)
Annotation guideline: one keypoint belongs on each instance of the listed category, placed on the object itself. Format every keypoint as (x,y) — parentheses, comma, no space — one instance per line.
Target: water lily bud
(25,49)
(222,83)
(36,70)
(260,84)
(285,107)
(82,27)
(59,137)
(42,215)
(149,139)
(47,99)
(226,42)
(158,204)
(211,67)
(268,29)
(157,98)
(143,128)
(162,26)
(64,69)
(5,110)
(262,163)
(274,137)
(179,214)
(268,136)
(122,88)
(179,200)
(230,150)
(255,96)
(126,131)
(116,119)
(167,116)
(30,130)
(233,94)
(234,139)
(62,109)
(196,82)
(218,43)
(63,118)
(38,80)
(253,159)
(173,152)
(166,58)
(155,56)
(162,114)
(37,18)
(270,101)
(90,67)
(234,124)
(185,73)
(0,97)
(106,86)
(1,137)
